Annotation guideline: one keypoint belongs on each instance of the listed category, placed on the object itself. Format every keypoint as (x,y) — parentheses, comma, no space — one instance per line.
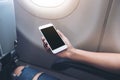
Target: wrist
(70,53)
(67,53)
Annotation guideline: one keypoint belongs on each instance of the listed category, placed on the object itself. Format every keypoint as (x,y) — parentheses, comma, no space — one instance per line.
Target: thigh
(28,73)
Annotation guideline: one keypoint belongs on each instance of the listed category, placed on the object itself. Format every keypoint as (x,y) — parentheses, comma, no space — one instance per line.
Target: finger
(45,43)
(47,47)
(43,39)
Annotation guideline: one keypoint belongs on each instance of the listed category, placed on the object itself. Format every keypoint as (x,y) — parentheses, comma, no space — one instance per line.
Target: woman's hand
(64,53)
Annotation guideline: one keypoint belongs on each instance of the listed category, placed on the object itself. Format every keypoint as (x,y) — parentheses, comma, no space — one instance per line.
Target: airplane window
(48,3)
(49,9)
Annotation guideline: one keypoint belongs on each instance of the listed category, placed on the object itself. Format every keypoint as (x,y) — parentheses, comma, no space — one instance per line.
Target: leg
(24,73)
(18,72)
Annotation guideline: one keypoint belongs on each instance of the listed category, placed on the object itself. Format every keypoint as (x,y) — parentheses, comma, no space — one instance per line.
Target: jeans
(29,73)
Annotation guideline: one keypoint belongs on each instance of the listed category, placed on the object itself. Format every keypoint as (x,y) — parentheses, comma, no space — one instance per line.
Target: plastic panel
(7,26)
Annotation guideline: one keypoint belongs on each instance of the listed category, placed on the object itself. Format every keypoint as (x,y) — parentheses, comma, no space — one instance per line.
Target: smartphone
(52,37)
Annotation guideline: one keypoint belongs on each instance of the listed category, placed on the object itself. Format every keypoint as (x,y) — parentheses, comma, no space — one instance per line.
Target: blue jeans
(29,73)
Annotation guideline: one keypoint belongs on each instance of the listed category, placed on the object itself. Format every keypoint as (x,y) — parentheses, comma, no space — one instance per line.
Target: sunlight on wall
(49,9)
(48,3)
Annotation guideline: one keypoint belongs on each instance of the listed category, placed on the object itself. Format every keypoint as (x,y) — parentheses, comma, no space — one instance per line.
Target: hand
(66,41)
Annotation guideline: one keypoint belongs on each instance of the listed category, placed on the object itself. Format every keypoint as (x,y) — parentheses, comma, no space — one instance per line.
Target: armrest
(63,64)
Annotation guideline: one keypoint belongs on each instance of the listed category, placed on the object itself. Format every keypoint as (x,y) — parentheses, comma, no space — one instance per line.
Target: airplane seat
(7,38)
(66,64)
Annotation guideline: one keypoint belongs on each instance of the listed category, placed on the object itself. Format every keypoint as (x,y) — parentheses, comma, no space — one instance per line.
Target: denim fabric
(29,73)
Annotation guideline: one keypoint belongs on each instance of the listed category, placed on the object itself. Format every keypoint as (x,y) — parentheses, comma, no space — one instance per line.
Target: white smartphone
(52,37)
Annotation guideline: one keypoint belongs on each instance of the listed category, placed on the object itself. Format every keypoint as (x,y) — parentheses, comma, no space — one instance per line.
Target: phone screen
(52,37)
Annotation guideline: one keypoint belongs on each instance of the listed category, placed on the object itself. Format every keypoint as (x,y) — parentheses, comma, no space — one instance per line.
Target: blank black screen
(52,37)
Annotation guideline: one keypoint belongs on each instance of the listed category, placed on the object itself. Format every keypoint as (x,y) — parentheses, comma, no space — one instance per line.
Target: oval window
(49,9)
(48,3)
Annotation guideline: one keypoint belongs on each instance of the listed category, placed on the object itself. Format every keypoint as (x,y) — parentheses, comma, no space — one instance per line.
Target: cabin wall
(83,28)
(111,39)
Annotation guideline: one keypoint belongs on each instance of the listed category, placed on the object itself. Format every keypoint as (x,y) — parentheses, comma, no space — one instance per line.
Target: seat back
(7,27)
